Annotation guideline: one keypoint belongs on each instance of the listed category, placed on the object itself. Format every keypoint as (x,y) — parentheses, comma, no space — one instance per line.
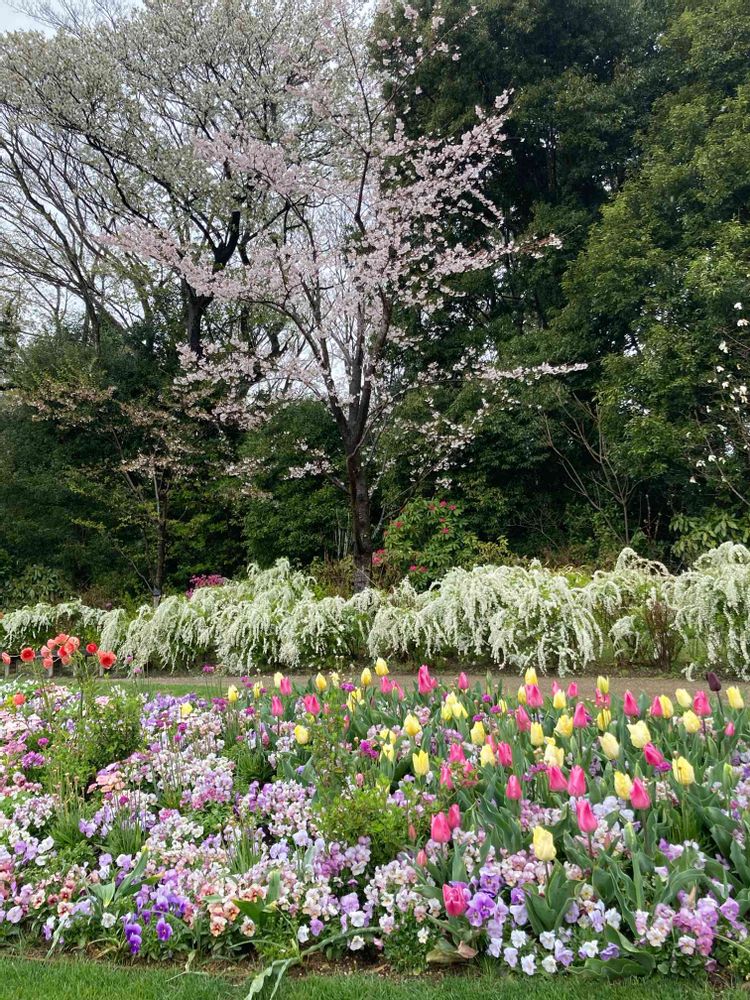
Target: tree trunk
(359,499)
(194,307)
(161,553)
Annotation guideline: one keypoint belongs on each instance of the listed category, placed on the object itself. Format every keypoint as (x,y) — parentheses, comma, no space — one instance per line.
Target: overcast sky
(10,19)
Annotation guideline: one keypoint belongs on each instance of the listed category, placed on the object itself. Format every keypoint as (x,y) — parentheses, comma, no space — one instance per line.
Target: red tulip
(27,654)
(92,648)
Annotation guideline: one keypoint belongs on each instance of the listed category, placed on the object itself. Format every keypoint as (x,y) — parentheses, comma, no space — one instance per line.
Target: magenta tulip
(587,821)
(556,779)
(513,788)
(440,830)
(454,898)
(577,781)
(630,705)
(639,797)
(454,817)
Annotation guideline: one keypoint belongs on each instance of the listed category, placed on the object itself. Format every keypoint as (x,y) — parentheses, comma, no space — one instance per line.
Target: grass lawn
(65,979)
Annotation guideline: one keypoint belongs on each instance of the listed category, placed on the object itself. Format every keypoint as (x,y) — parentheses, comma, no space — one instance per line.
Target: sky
(11,20)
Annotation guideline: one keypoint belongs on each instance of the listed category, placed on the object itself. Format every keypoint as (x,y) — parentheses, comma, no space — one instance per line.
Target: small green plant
(366,812)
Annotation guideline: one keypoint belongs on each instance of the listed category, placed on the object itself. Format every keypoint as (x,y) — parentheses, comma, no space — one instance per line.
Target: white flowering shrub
(516,616)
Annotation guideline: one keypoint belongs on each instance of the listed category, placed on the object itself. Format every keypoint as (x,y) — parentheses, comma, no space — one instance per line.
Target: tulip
(365,678)
(639,797)
(277,706)
(381,667)
(623,785)
(522,695)
(411,725)
(278,677)
(522,719)
(6,658)
(691,722)
(505,754)
(454,817)
(729,729)
(683,698)
(48,663)
(656,709)
(572,690)
(559,700)
(630,705)
(580,716)
(667,708)
(556,779)
(321,683)
(311,703)
(653,755)
(386,686)
(456,753)
(530,677)
(463,682)
(421,858)
(454,900)
(91,648)
(420,763)
(478,734)
(603,719)
(587,821)
(388,752)
(534,697)
(554,755)
(19,699)
(564,726)
(602,684)
(543,845)
(446,778)
(536,734)
(701,704)
(425,683)
(257,690)
(440,830)
(713,682)
(577,781)
(285,687)
(734,697)
(232,694)
(610,746)
(487,756)
(683,771)
(27,654)
(639,734)
(302,735)
(513,788)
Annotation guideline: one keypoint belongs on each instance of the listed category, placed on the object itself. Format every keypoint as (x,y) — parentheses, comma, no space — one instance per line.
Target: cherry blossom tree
(369,226)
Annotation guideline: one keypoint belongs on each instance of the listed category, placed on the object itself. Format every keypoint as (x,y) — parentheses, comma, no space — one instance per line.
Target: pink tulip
(456,753)
(653,755)
(424,681)
(701,704)
(534,696)
(277,706)
(446,778)
(386,685)
(285,687)
(513,788)
(630,705)
(587,822)
(556,778)
(312,705)
(555,688)
(580,716)
(463,682)
(577,781)
(602,700)
(639,797)
(399,690)
(522,719)
(454,898)
(729,729)
(454,817)
(572,690)
(422,858)
(440,830)
(656,710)
(504,754)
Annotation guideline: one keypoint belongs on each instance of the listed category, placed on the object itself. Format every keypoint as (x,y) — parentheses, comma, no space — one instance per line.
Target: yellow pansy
(186,709)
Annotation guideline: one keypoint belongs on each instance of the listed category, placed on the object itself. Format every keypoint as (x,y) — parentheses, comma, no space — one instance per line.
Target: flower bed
(548,830)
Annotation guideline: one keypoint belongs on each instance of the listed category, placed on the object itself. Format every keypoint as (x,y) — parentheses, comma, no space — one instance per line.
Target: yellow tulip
(683,771)
(478,734)
(278,677)
(381,667)
(683,698)
(564,726)
(446,712)
(366,677)
(603,719)
(503,706)
(602,684)
(543,844)
(321,683)
(734,697)
(554,756)
(667,707)
(388,752)
(302,735)
(335,678)
(233,694)
(487,756)
(691,722)
(420,762)
(186,709)
(530,676)
(411,725)
(354,699)
(257,690)
(522,695)
(536,735)
(559,701)
(623,785)
(639,734)
(610,746)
